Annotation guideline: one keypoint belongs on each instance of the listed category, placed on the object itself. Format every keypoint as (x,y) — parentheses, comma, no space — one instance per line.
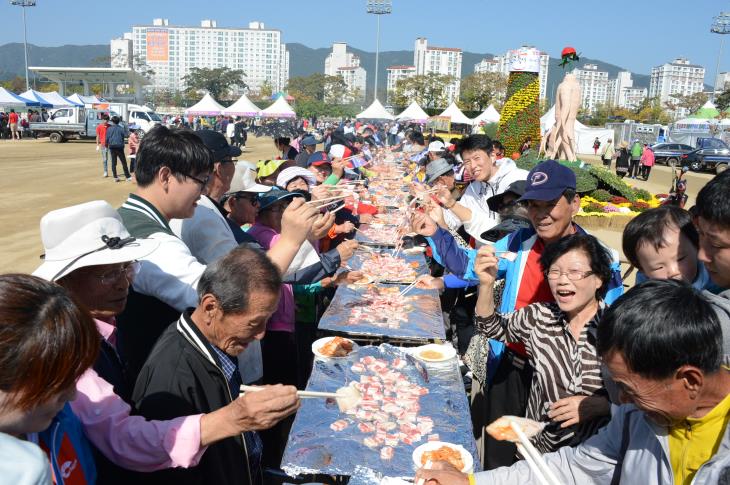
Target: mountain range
(303,61)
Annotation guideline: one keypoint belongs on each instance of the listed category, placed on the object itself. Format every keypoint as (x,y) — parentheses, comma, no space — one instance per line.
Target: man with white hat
(89,252)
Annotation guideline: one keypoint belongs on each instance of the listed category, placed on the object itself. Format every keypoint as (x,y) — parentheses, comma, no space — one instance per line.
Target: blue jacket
(68,450)
(460,261)
(115,136)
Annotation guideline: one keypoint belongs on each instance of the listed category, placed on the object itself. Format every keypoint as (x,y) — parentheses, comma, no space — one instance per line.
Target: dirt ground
(37,176)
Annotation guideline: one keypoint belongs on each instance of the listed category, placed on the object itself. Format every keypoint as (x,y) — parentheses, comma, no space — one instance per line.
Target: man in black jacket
(192,368)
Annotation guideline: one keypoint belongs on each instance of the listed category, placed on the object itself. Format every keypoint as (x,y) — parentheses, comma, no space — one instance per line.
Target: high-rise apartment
(345,64)
(593,86)
(676,77)
(171,51)
(440,60)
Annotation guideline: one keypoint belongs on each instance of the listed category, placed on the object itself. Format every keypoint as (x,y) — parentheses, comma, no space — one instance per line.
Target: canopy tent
(205,107)
(37,97)
(489,115)
(279,109)
(12,100)
(80,99)
(413,113)
(57,100)
(584,135)
(375,111)
(707,111)
(281,94)
(242,107)
(454,113)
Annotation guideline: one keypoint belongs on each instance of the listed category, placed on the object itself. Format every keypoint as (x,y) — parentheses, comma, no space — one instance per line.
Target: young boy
(662,243)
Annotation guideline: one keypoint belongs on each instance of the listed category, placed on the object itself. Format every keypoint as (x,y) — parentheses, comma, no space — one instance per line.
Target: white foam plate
(319,343)
(446,350)
(435,445)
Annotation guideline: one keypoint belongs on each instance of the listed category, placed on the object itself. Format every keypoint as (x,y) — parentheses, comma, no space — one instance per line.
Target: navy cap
(308,141)
(318,158)
(548,180)
(217,143)
(273,196)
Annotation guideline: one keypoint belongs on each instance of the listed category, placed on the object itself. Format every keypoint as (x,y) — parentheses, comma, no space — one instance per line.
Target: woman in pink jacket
(647,161)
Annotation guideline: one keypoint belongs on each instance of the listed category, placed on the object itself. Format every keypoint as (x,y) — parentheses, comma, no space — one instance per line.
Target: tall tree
(480,89)
(317,87)
(650,111)
(217,81)
(429,90)
(723,101)
(690,102)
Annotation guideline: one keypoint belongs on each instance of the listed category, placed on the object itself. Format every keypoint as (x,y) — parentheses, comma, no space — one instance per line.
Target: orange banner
(157,45)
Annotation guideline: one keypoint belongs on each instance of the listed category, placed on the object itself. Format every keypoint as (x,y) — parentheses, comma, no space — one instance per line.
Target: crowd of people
(122,355)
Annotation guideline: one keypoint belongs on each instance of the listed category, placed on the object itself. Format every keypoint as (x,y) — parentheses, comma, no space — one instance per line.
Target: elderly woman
(90,253)
(46,343)
(567,392)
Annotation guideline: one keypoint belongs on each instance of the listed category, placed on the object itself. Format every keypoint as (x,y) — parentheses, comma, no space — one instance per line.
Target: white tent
(278,109)
(37,97)
(12,100)
(454,113)
(242,107)
(375,111)
(489,115)
(585,135)
(205,107)
(57,100)
(413,113)
(79,99)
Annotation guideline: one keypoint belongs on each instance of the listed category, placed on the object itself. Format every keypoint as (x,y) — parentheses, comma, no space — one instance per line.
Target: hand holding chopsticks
(534,458)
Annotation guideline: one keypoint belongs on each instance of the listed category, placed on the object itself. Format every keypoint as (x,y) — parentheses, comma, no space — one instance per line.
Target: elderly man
(662,343)
(192,368)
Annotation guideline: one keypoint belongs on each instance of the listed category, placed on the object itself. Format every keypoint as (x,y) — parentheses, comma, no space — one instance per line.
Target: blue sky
(635,34)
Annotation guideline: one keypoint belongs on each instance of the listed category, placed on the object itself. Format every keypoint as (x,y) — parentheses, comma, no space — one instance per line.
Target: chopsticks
(427,466)
(411,286)
(302,394)
(533,457)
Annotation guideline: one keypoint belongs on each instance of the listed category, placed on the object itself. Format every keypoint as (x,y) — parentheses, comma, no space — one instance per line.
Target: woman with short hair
(567,393)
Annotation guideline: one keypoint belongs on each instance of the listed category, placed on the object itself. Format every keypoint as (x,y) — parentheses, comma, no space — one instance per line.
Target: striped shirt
(563,366)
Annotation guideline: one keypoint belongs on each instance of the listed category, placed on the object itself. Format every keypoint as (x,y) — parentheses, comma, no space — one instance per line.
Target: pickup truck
(76,123)
(710,154)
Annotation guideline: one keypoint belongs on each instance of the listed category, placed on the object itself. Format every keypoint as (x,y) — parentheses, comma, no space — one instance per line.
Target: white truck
(133,114)
(72,123)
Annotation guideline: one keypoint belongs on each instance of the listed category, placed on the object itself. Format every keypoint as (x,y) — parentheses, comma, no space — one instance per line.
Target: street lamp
(378,8)
(721,25)
(23,4)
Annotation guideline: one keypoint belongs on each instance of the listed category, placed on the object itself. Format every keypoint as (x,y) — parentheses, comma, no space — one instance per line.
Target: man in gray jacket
(712,213)
(662,343)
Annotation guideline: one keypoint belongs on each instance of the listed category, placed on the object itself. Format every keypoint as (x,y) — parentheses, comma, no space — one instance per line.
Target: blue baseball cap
(273,196)
(548,180)
(318,158)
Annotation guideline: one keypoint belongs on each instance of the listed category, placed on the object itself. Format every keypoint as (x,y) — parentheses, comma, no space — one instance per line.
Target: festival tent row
(243,107)
(9,99)
(84,100)
(48,100)
(584,135)
(413,113)
(489,115)
(375,111)
(456,115)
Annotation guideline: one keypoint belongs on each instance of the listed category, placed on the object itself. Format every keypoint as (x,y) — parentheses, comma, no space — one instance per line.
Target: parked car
(711,154)
(76,122)
(670,153)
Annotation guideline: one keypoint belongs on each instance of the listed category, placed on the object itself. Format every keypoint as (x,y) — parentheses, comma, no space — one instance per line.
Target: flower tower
(520,116)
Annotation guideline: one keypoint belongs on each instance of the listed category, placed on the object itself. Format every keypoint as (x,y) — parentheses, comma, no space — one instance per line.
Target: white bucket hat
(84,235)
(289,174)
(244,179)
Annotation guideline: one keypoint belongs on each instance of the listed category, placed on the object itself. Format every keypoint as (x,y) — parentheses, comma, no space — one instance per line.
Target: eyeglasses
(572,274)
(202,182)
(129,271)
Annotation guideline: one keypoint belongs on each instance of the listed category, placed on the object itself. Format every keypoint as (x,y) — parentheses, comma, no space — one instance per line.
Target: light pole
(378,8)
(721,25)
(23,4)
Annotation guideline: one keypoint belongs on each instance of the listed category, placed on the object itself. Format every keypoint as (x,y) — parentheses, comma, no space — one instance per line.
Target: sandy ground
(37,176)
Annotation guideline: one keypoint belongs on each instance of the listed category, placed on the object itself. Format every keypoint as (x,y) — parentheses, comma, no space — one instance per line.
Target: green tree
(723,100)
(690,102)
(650,111)
(480,89)
(317,87)
(16,84)
(217,81)
(266,89)
(427,90)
